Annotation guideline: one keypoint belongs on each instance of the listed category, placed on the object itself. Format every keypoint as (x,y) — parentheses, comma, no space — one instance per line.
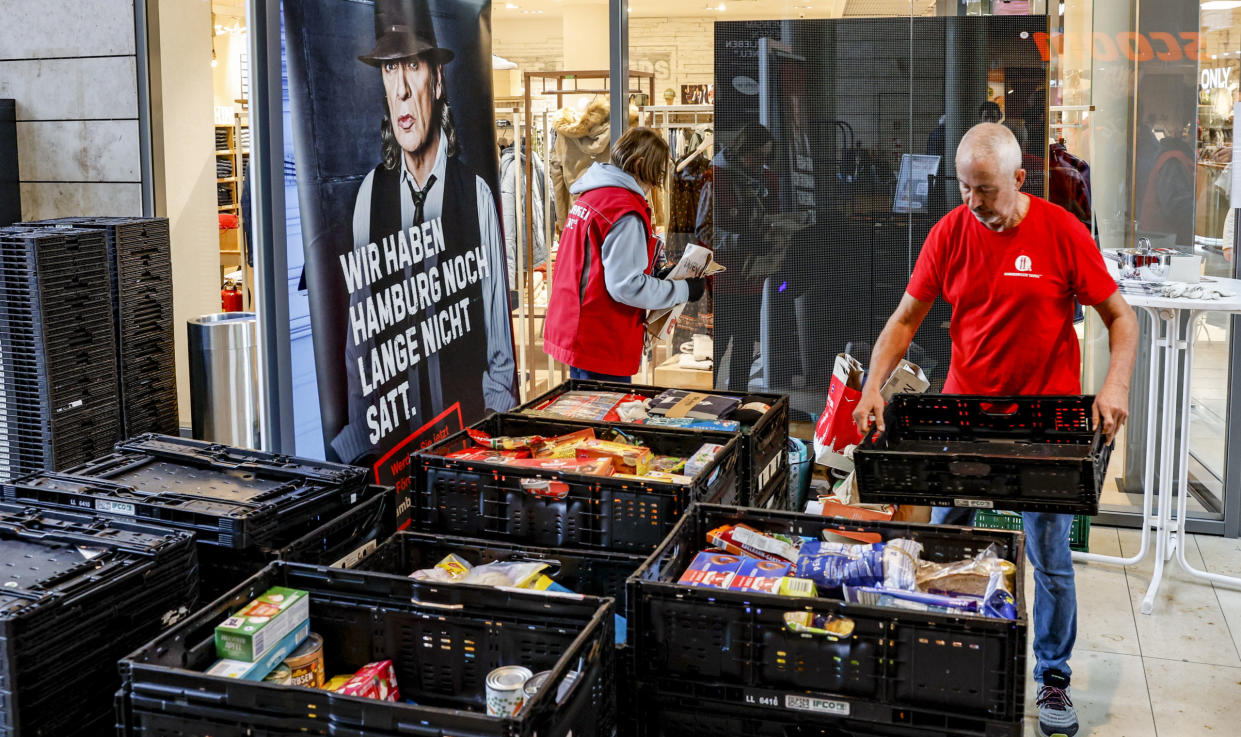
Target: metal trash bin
(224,378)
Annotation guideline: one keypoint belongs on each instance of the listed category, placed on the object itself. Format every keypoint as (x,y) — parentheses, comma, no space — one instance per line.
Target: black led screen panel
(10,192)
(814,218)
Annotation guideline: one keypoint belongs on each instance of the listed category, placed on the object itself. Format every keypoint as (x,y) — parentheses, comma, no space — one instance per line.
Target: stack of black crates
(58,400)
(139,267)
(77,593)
(242,506)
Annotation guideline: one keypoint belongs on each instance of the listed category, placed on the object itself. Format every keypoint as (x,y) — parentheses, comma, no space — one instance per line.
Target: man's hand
(1111,406)
(870,404)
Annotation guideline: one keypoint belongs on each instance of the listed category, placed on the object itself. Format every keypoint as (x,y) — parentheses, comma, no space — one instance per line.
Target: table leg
(1183,485)
(1166,458)
(1148,476)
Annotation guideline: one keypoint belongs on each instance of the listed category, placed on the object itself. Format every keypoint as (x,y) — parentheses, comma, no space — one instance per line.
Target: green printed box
(251,632)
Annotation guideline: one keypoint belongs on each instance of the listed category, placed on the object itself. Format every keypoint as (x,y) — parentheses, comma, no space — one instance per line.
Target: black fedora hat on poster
(403,30)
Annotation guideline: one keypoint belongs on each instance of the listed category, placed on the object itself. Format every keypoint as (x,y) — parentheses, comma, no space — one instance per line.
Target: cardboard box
(712,570)
(906,378)
(258,670)
(759,575)
(260,626)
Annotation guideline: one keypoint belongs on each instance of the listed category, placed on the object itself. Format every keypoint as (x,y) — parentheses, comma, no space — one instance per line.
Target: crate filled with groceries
(79,592)
(1024,454)
(558,483)
(761,421)
(241,505)
(797,619)
(318,650)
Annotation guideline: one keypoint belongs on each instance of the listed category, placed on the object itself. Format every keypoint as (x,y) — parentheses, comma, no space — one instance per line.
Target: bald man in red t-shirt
(1011,266)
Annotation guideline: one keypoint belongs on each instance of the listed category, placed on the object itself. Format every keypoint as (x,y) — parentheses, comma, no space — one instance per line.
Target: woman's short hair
(643,154)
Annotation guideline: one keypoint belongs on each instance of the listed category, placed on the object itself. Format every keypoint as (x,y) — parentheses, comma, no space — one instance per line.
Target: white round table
(1174,346)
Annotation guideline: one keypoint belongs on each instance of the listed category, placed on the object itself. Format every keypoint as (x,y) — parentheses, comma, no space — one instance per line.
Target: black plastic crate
(82,591)
(1032,454)
(777,499)
(231,497)
(760,443)
(442,640)
(324,539)
(667,715)
(477,499)
(347,539)
(959,674)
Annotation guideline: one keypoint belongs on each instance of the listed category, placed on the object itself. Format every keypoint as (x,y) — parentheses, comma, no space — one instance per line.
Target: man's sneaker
(1056,716)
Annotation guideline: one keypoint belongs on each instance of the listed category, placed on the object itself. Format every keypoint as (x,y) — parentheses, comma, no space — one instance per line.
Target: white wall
(74,77)
(187,146)
(679,50)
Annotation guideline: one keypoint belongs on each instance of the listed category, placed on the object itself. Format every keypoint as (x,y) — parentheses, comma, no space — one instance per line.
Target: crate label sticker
(817,705)
(352,559)
(797,702)
(111,507)
(975,503)
(772,468)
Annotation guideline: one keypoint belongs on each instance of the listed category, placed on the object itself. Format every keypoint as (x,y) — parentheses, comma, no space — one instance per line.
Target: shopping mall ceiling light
(1221,5)
(511,6)
(717,8)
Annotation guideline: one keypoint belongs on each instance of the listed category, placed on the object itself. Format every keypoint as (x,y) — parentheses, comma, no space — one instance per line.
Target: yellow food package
(335,682)
(800,587)
(633,459)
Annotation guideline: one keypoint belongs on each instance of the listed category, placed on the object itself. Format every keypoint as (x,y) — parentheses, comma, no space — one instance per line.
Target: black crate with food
(558,483)
(395,655)
(802,618)
(763,426)
(1026,454)
(81,590)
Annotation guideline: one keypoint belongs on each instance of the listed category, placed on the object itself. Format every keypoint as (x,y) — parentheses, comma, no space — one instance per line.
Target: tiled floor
(1175,673)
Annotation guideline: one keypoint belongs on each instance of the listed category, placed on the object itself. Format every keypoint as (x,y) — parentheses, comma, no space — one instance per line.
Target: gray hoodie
(624,249)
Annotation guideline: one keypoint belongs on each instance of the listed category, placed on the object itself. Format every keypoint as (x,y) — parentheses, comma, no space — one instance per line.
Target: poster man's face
(411,87)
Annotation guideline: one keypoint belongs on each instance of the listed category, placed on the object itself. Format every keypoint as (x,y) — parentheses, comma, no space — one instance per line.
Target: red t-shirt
(1012,298)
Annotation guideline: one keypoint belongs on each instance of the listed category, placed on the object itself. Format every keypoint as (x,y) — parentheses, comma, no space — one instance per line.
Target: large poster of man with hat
(405,265)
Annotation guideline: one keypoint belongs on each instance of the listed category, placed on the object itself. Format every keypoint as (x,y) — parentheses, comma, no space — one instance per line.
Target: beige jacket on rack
(583,138)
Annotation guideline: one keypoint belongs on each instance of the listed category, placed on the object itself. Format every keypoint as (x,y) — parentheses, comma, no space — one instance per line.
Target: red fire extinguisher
(230,296)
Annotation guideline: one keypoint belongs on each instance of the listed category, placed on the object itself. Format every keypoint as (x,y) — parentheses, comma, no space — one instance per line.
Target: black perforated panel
(817,249)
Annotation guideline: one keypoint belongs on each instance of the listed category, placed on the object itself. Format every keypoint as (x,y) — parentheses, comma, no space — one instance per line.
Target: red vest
(585,327)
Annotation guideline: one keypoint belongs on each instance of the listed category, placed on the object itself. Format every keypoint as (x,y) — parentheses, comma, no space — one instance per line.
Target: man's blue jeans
(1055,595)
(577,373)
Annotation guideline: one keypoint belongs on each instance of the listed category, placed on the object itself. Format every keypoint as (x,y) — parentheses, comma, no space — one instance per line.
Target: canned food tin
(505,696)
(306,663)
(281,675)
(536,682)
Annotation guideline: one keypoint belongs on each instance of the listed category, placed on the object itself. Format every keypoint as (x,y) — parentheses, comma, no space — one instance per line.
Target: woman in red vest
(603,281)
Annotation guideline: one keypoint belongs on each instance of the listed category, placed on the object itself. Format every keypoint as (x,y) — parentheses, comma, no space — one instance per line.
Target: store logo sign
(1104,47)
(1024,264)
(1215,79)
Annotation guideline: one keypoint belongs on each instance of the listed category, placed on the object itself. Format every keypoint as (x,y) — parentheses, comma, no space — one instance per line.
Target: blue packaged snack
(998,601)
(832,565)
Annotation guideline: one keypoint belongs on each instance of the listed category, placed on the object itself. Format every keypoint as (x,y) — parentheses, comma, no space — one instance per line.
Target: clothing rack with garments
(528,218)
(689,130)
(554,85)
